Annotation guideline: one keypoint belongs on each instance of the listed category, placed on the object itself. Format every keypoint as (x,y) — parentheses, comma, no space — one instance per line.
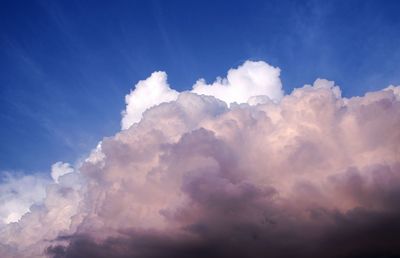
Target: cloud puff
(310,175)
(148,93)
(59,169)
(248,80)
(18,193)
(251,82)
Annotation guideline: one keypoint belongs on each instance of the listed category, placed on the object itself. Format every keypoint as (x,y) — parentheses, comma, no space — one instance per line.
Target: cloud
(251,82)
(51,213)
(248,80)
(148,93)
(59,169)
(311,174)
(96,155)
(18,193)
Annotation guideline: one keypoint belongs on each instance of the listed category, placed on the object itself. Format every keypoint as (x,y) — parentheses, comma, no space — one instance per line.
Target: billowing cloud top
(148,93)
(231,169)
(59,169)
(249,80)
(252,79)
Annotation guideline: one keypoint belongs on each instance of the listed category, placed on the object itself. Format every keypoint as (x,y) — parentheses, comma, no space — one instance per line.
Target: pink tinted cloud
(310,175)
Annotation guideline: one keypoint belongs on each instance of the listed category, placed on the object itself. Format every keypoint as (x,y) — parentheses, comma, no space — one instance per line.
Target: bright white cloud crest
(251,79)
(148,93)
(194,169)
(248,80)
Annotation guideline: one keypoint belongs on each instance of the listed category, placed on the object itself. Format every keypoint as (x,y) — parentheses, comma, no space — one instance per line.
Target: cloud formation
(18,193)
(251,79)
(308,174)
(147,93)
(59,169)
(252,82)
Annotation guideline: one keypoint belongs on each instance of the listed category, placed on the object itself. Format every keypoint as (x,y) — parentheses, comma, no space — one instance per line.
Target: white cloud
(251,81)
(59,169)
(248,80)
(396,90)
(147,93)
(18,193)
(96,155)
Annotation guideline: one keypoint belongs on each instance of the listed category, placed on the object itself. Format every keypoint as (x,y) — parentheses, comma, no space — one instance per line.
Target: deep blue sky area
(65,66)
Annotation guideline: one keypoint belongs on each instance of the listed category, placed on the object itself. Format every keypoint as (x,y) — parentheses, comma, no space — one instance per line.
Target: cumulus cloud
(308,174)
(252,82)
(18,193)
(248,80)
(147,93)
(47,218)
(59,169)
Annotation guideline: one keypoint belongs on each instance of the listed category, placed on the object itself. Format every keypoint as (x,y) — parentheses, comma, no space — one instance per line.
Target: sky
(65,66)
(199,129)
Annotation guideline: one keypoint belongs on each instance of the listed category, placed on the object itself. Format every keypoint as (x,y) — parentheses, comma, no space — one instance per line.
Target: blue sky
(65,66)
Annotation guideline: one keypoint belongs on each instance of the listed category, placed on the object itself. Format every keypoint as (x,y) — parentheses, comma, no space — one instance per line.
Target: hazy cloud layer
(309,174)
